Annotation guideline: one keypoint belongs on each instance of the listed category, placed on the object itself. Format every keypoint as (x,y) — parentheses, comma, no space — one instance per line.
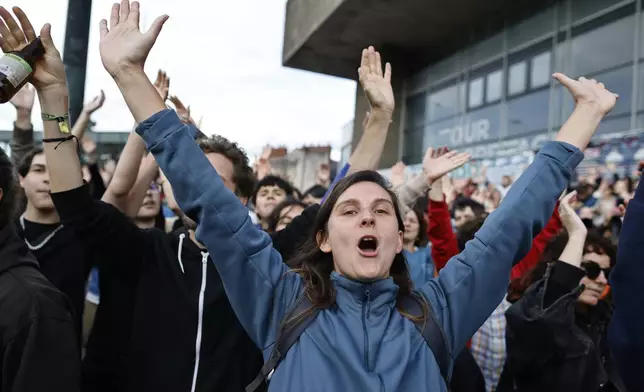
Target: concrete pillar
(75,54)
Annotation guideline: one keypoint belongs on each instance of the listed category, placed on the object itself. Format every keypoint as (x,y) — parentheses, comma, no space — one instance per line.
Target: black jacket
(166,308)
(553,347)
(63,260)
(40,351)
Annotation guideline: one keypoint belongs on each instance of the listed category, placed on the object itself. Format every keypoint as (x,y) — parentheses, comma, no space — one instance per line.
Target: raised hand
(24,99)
(182,111)
(162,84)
(123,47)
(263,164)
(375,83)
(398,174)
(588,92)
(49,71)
(95,104)
(437,163)
(569,219)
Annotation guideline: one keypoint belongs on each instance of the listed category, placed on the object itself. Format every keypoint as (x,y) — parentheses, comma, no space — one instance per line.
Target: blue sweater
(421,266)
(626,329)
(363,343)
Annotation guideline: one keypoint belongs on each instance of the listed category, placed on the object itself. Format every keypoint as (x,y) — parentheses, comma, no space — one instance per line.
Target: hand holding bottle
(123,47)
(49,72)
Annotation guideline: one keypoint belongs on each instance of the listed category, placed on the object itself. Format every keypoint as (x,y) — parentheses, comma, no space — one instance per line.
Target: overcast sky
(224,59)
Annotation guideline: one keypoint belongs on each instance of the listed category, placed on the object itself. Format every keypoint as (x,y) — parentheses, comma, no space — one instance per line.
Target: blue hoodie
(626,329)
(363,343)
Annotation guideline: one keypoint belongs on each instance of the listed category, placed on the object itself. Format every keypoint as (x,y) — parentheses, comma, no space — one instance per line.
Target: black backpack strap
(288,335)
(432,332)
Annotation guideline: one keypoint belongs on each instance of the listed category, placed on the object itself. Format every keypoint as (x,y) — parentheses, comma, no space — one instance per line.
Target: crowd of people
(182,268)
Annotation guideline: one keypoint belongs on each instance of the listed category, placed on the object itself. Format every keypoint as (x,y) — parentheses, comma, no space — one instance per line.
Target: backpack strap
(288,335)
(432,332)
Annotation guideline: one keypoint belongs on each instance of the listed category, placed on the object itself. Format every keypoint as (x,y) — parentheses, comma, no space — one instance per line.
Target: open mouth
(368,246)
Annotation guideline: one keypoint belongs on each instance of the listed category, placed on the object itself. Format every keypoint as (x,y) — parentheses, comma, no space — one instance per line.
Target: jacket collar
(380,293)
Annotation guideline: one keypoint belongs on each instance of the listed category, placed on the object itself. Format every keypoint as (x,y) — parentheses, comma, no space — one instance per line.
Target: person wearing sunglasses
(556,332)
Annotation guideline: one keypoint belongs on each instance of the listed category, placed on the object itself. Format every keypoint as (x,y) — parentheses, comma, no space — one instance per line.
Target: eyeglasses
(593,269)
(154,187)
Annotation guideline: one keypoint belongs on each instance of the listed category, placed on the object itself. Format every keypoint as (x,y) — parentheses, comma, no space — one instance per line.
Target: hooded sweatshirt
(363,343)
(39,343)
(164,322)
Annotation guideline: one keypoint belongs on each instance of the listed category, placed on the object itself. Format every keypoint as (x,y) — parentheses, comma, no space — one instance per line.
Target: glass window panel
(413,146)
(614,124)
(517,78)
(443,103)
(528,113)
(584,8)
(640,101)
(535,26)
(494,86)
(480,126)
(619,81)
(603,47)
(476,93)
(562,105)
(486,49)
(415,110)
(540,70)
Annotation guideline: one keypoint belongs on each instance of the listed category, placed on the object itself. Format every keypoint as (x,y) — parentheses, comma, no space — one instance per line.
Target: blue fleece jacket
(363,343)
(421,266)
(626,329)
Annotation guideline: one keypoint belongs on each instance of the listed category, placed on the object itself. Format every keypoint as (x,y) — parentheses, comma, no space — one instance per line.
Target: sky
(224,60)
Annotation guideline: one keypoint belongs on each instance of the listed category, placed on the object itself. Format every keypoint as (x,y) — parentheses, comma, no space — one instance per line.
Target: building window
(413,146)
(494,86)
(443,103)
(619,81)
(540,70)
(475,97)
(516,78)
(415,110)
(604,47)
(528,113)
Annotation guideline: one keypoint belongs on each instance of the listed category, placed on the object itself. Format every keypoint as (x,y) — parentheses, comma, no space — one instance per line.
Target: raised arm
(81,124)
(255,278)
(377,88)
(127,188)
(482,270)
(626,326)
(97,225)
(22,140)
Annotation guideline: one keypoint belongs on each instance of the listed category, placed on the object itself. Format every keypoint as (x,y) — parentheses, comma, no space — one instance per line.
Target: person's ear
(323,242)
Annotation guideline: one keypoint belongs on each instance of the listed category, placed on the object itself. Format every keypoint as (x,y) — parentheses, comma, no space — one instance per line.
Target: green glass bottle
(16,67)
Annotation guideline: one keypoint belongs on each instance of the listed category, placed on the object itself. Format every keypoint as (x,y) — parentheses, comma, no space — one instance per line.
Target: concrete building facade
(300,166)
(476,75)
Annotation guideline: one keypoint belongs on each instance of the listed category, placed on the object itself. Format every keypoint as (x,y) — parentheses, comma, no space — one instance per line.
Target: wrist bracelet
(63,121)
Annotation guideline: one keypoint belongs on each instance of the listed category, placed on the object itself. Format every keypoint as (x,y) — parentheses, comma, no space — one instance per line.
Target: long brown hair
(315,266)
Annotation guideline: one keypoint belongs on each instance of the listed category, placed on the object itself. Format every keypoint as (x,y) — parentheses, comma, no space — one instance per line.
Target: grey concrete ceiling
(326,36)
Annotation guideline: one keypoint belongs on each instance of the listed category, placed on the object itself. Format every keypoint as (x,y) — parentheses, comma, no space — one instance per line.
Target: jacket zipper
(202,292)
(365,317)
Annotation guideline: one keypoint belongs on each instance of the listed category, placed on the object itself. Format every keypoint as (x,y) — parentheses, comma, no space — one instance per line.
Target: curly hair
(242,172)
